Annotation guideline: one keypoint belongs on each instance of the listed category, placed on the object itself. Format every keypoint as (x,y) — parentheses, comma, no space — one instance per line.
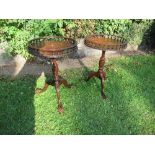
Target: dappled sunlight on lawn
(129,108)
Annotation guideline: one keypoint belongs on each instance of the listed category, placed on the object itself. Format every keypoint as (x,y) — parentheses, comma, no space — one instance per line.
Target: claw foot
(60,108)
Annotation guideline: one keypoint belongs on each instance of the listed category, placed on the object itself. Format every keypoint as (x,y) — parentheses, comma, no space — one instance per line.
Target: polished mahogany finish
(103,42)
(51,48)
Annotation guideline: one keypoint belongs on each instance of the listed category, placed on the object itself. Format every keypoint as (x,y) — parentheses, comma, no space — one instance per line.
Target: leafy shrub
(148,41)
(17,32)
(138,30)
(133,30)
(113,26)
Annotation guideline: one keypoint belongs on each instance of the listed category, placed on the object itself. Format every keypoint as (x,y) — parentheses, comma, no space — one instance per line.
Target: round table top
(105,42)
(52,46)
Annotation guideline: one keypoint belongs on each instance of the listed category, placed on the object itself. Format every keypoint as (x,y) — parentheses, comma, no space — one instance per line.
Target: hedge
(17,32)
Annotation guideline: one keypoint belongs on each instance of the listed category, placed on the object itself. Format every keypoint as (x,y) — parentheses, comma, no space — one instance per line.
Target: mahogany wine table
(52,48)
(103,42)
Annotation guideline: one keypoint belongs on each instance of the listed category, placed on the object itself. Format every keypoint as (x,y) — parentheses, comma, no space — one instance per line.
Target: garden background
(15,33)
(129,87)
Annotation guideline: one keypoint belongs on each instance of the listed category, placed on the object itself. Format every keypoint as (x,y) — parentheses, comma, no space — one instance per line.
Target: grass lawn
(129,108)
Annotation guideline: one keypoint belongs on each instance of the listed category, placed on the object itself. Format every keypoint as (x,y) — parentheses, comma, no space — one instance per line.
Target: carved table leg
(91,75)
(100,73)
(57,84)
(102,86)
(47,83)
(64,82)
(58,80)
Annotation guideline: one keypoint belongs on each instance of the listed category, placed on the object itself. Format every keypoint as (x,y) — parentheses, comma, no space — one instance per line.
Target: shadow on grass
(16,107)
(17,111)
(141,68)
(129,108)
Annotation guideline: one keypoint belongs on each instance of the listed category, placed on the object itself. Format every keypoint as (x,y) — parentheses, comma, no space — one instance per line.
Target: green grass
(129,108)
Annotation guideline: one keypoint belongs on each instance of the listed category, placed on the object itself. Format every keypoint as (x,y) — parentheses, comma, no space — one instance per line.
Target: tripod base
(102,77)
(100,74)
(57,82)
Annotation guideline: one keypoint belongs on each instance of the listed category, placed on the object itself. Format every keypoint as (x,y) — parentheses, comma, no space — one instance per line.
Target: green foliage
(148,42)
(79,28)
(17,32)
(18,44)
(138,30)
(133,30)
(113,26)
(84,27)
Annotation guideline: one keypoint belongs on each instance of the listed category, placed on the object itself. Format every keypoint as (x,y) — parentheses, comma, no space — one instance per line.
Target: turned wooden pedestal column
(103,42)
(100,73)
(52,48)
(58,80)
